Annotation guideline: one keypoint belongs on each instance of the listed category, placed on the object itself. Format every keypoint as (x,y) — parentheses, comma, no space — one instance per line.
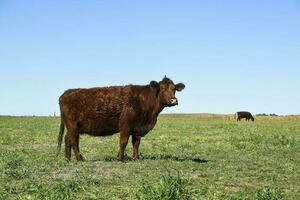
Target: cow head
(166,91)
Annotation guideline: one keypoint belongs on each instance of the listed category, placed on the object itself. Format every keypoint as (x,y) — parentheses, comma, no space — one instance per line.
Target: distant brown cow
(101,111)
(244,115)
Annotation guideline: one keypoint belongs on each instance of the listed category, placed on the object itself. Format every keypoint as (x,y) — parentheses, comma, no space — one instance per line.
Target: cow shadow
(174,158)
(157,157)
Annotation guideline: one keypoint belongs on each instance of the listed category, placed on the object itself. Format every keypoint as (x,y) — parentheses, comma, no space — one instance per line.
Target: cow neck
(158,106)
(155,106)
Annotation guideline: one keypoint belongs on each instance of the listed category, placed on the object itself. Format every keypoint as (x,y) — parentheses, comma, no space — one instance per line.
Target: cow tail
(60,136)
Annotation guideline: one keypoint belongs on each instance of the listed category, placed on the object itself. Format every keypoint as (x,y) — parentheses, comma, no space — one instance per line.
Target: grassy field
(184,157)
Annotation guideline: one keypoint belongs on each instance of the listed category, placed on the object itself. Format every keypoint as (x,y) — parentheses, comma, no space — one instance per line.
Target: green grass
(184,157)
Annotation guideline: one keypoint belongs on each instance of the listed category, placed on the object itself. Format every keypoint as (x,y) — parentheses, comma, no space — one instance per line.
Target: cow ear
(154,85)
(179,87)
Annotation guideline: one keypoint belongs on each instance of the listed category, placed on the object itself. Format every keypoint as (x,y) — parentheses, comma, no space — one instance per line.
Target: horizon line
(191,113)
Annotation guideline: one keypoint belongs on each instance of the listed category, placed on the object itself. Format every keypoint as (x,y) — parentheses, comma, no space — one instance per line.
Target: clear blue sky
(232,55)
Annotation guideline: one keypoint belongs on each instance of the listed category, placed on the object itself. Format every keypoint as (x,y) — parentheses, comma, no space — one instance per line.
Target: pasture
(184,157)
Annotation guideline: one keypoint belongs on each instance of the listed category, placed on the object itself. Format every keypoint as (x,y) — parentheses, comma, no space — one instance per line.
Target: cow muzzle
(173,102)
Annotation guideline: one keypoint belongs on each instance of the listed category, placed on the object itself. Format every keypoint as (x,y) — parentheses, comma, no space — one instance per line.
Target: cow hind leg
(73,140)
(67,147)
(136,143)
(75,148)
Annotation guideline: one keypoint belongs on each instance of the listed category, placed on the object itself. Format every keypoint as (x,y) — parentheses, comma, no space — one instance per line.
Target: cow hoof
(136,159)
(80,158)
(68,159)
(120,160)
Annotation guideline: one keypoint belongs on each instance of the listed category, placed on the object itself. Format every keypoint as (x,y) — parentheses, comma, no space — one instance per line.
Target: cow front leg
(136,144)
(124,136)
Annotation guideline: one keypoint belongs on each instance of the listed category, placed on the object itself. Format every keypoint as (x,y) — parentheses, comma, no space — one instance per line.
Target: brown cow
(101,111)
(244,115)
